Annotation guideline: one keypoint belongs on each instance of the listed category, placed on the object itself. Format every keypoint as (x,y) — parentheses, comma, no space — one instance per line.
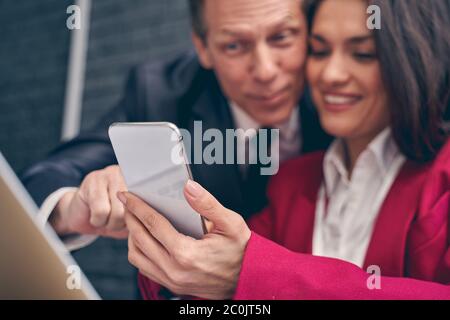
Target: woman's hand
(208,268)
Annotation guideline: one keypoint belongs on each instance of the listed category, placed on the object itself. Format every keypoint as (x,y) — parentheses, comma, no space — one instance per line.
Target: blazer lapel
(389,239)
(301,212)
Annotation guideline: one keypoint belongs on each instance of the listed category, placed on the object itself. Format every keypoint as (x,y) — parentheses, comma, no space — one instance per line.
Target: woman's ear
(202,51)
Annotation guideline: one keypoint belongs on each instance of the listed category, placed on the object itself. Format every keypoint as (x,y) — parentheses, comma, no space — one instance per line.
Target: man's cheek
(298,51)
(234,80)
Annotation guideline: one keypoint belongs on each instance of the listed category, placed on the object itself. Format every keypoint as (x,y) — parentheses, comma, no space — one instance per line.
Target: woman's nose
(335,71)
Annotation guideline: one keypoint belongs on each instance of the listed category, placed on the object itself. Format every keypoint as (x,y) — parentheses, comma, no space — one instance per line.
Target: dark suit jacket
(179,91)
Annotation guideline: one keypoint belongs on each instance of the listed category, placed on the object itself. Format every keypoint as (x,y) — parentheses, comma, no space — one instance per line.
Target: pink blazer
(410,242)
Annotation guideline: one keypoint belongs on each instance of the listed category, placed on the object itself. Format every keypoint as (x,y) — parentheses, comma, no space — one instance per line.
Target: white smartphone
(153,160)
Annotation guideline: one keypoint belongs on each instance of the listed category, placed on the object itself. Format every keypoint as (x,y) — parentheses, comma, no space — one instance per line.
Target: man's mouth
(270,97)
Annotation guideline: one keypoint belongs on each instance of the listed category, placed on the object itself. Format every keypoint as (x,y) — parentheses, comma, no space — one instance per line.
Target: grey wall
(34,44)
(122,34)
(33,62)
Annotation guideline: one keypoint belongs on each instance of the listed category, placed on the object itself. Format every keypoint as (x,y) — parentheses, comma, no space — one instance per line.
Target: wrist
(58,219)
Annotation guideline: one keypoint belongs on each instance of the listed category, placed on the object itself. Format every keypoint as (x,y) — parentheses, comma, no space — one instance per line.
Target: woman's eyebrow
(353,40)
(360,39)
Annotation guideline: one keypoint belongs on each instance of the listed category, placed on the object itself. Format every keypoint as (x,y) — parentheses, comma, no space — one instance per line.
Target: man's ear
(202,51)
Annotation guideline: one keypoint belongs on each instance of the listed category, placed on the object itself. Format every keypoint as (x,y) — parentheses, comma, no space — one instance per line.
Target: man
(248,73)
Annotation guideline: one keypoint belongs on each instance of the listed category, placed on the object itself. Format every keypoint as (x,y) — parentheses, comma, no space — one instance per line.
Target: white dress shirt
(289,146)
(289,142)
(347,209)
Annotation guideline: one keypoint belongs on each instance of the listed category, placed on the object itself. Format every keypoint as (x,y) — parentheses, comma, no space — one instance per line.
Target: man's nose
(335,71)
(265,66)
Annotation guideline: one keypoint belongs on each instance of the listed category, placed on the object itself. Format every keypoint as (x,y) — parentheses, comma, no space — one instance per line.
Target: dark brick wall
(33,62)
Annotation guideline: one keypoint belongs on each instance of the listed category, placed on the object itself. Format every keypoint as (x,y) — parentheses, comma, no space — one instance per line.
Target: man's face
(257,49)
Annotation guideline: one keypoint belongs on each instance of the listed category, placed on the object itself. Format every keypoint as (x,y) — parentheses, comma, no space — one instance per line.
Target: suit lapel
(389,239)
(222,180)
(305,209)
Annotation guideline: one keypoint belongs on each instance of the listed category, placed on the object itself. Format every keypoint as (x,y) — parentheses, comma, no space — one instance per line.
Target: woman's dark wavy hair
(413,47)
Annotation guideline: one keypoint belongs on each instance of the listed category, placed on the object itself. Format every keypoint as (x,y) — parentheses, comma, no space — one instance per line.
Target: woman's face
(344,73)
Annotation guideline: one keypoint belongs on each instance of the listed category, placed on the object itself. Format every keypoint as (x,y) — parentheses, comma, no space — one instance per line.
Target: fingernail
(193,189)
(122,197)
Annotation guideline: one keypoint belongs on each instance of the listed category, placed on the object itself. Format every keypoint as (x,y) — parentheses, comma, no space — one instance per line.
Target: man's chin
(273,119)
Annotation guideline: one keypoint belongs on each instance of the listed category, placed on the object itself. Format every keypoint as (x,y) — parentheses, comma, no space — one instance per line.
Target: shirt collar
(288,128)
(242,119)
(382,148)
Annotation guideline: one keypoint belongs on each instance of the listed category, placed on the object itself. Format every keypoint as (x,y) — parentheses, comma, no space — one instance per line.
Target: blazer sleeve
(69,163)
(265,222)
(429,239)
(150,290)
(262,223)
(270,271)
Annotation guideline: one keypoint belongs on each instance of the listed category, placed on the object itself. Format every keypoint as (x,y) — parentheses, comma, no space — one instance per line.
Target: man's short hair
(196,8)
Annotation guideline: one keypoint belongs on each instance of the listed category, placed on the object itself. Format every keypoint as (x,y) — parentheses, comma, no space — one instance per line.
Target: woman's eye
(365,56)
(318,53)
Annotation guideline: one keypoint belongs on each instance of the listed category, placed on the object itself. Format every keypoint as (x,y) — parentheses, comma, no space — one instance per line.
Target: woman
(378,199)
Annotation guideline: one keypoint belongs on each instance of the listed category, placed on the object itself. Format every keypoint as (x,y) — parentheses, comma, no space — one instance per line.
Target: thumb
(207,206)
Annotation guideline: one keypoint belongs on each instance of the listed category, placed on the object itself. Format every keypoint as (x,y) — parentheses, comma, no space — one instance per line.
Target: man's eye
(234,47)
(282,37)
(279,37)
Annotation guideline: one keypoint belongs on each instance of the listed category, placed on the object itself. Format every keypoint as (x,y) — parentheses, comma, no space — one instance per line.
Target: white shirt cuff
(72,242)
